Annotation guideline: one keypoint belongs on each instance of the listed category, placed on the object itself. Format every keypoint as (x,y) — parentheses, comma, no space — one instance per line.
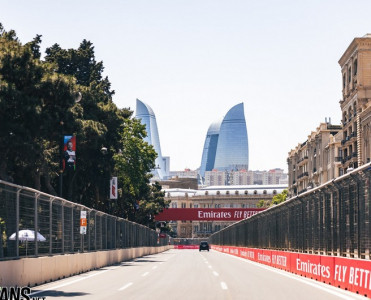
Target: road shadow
(51,293)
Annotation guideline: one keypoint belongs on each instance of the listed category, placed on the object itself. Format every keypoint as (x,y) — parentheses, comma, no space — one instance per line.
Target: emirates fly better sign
(207,214)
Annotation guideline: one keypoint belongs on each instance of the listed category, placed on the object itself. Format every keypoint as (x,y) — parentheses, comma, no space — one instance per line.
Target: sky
(192,60)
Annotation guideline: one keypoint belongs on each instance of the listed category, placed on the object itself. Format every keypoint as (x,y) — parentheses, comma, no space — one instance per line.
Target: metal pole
(17,223)
(72,241)
(62,227)
(50,225)
(36,223)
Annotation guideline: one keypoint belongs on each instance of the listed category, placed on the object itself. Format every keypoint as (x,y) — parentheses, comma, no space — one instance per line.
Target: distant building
(244,177)
(145,113)
(315,161)
(187,173)
(226,144)
(216,197)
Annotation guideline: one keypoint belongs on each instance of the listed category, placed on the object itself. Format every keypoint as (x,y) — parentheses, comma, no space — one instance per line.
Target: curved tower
(233,148)
(226,145)
(147,117)
(209,152)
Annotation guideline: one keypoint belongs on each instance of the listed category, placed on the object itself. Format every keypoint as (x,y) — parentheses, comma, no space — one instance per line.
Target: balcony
(338,159)
(303,175)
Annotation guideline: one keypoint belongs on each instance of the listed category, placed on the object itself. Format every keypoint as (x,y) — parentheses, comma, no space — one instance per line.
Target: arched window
(227,192)
(274,192)
(246,192)
(255,192)
(218,193)
(206,193)
(236,193)
(264,192)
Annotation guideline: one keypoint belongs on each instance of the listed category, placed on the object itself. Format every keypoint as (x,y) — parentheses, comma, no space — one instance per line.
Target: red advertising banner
(346,273)
(207,214)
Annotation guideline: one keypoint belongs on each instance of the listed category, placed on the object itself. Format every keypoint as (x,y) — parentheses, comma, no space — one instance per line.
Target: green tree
(38,106)
(279,198)
(133,165)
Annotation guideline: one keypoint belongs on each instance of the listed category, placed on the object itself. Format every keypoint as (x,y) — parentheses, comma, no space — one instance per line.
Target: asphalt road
(189,274)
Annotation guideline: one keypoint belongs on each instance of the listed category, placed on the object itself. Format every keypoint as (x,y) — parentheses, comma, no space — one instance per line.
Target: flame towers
(145,113)
(226,145)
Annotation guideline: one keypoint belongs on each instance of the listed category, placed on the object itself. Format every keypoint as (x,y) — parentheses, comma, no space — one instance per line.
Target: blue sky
(191,61)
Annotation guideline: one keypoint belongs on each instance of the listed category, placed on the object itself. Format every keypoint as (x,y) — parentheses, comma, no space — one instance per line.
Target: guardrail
(332,219)
(57,223)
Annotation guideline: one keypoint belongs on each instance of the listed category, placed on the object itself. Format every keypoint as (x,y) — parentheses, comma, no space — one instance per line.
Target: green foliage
(38,106)
(279,198)
(263,204)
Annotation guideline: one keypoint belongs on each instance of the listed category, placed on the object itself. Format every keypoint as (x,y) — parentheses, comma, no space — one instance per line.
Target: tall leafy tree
(38,106)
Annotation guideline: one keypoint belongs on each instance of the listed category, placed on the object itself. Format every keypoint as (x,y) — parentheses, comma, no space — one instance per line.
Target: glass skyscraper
(226,145)
(145,113)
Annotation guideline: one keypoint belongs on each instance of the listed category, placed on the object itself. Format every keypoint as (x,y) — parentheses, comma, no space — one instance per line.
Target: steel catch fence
(332,219)
(57,224)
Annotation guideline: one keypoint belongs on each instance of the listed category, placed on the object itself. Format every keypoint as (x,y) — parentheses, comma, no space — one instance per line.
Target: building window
(206,193)
(246,192)
(218,193)
(255,192)
(264,192)
(168,194)
(227,192)
(349,74)
(355,66)
(174,205)
(184,205)
(274,192)
(196,206)
(236,192)
(344,82)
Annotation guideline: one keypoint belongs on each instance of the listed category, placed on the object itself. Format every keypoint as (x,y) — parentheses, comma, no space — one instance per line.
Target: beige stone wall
(36,271)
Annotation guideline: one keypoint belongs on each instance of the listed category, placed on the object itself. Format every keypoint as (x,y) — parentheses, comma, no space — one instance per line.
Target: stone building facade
(333,150)
(315,161)
(356,103)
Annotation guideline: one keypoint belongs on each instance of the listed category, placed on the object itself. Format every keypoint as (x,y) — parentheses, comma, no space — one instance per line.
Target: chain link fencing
(56,221)
(332,219)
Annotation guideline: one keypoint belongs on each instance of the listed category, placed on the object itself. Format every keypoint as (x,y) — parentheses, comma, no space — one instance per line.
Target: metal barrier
(332,219)
(57,224)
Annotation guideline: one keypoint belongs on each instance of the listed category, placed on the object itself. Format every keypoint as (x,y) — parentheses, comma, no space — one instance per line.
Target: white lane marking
(224,285)
(322,286)
(215,273)
(145,274)
(155,267)
(70,282)
(125,286)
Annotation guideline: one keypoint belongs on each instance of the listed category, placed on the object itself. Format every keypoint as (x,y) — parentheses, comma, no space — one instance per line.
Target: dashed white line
(125,286)
(145,274)
(224,285)
(215,273)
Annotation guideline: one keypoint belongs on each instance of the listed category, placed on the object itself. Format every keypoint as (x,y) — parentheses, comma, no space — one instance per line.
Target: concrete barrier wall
(39,270)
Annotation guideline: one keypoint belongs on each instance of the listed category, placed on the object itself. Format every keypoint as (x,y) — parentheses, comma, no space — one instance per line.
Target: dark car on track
(204,246)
